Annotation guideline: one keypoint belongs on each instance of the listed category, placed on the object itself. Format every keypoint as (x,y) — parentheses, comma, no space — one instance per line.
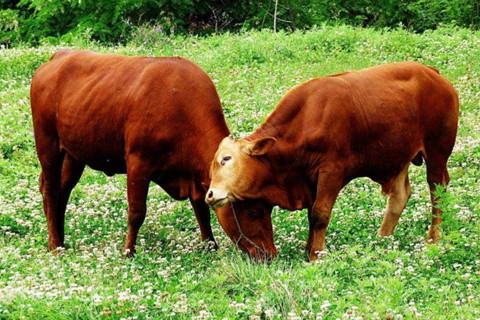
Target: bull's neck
(206,150)
(289,187)
(203,151)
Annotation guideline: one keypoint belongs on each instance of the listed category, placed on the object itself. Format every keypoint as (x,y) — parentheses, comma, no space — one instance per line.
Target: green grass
(176,276)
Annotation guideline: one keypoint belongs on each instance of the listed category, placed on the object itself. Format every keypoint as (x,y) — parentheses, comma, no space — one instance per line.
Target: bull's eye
(225,159)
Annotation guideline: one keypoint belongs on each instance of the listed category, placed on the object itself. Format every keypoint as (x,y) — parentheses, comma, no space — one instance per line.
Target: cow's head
(249,225)
(239,172)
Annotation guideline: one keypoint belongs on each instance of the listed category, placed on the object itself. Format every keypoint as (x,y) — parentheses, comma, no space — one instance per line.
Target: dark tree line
(115,20)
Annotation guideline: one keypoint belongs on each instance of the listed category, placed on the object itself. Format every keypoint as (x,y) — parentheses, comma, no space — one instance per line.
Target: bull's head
(239,172)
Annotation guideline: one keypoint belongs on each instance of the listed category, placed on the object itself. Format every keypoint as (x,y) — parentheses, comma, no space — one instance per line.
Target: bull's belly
(106,156)
(385,167)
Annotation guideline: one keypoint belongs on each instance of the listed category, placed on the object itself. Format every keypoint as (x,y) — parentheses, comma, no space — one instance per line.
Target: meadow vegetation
(176,276)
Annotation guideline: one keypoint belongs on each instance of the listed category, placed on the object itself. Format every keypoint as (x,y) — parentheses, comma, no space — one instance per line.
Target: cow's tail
(433,69)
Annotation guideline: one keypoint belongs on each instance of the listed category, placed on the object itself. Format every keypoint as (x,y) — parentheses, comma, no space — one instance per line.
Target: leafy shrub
(8,25)
(418,15)
(52,21)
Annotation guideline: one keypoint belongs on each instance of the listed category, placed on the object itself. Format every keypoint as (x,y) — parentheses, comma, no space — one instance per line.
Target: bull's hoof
(383,233)
(129,252)
(433,236)
(316,255)
(213,244)
(56,247)
(56,250)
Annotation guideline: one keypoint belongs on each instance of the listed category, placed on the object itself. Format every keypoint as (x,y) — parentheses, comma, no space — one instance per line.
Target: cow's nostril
(210,194)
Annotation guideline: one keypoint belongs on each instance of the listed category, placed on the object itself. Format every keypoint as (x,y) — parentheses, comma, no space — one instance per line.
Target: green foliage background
(35,21)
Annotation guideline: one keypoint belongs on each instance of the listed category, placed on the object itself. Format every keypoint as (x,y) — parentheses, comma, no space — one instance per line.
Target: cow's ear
(260,146)
(205,186)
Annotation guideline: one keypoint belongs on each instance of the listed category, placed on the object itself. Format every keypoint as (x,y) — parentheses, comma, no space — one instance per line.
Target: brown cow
(155,119)
(328,131)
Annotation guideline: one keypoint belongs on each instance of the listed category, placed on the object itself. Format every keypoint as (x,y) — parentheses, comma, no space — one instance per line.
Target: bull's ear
(205,186)
(260,146)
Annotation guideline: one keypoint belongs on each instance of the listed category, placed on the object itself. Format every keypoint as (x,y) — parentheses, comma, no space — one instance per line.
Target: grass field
(176,276)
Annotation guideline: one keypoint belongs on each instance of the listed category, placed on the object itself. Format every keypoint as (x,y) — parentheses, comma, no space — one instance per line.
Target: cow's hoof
(433,237)
(383,234)
(213,245)
(57,250)
(56,247)
(129,253)
(317,254)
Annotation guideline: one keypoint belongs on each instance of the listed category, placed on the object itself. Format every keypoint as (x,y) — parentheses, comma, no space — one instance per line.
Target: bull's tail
(433,69)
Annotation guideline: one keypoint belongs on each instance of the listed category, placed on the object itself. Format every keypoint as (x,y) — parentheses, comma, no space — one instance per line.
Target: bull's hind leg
(308,246)
(437,174)
(138,180)
(51,159)
(72,170)
(397,200)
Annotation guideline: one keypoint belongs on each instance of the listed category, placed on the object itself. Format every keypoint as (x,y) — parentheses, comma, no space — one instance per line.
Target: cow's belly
(95,144)
(387,159)
(97,157)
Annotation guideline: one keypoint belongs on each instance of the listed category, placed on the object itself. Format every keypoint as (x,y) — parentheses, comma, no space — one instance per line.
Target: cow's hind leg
(72,170)
(51,160)
(437,174)
(396,202)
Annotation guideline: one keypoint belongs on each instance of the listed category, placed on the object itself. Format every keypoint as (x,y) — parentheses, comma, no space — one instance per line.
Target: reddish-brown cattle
(155,119)
(328,131)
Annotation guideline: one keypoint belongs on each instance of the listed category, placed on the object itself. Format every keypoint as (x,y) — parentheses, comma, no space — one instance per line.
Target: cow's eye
(225,159)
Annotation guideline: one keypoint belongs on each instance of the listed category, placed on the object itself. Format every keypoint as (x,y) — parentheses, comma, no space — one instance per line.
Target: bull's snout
(216,198)
(263,254)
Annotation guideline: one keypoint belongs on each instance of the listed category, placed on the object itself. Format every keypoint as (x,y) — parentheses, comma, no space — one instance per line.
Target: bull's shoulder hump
(61,53)
(177,63)
(405,66)
(70,52)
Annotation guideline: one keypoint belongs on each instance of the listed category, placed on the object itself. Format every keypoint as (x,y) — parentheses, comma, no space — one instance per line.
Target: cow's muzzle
(216,198)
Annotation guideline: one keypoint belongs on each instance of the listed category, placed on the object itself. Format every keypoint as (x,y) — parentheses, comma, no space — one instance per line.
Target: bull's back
(404,103)
(381,118)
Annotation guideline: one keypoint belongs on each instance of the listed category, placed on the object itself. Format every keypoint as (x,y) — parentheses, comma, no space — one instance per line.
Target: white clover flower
(269,313)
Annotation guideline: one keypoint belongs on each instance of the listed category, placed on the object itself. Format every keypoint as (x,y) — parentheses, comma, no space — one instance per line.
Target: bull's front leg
(202,213)
(328,186)
(138,179)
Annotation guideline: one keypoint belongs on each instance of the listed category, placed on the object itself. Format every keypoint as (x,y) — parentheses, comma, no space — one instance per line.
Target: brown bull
(155,119)
(324,133)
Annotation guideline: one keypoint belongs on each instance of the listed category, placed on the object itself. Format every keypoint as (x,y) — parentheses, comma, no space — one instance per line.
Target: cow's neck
(290,186)
(204,152)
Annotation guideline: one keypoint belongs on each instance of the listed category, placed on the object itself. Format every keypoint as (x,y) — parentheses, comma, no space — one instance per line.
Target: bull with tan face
(328,131)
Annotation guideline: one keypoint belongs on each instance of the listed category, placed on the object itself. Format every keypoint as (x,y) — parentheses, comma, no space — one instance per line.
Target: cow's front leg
(310,231)
(202,213)
(138,179)
(328,186)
